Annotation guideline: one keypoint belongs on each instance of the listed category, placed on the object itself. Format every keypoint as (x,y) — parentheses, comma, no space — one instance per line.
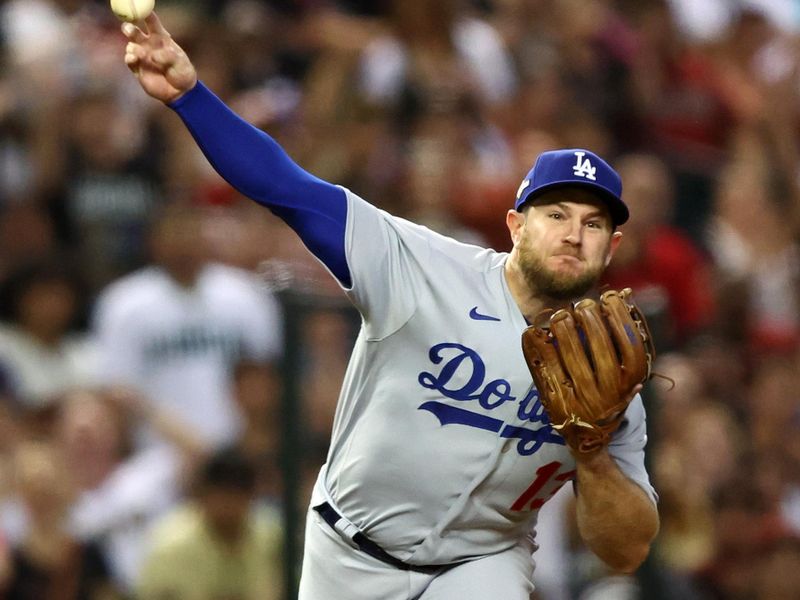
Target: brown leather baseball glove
(586,361)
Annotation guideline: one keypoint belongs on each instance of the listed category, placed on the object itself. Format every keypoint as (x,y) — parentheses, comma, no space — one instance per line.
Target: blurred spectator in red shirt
(752,238)
(746,525)
(657,260)
(686,112)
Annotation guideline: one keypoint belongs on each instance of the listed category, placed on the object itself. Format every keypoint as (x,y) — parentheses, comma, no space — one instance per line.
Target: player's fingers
(133,33)
(154,24)
(134,56)
(136,50)
(164,57)
(133,63)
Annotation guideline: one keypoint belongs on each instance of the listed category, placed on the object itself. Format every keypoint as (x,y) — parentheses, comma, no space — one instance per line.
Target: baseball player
(441,452)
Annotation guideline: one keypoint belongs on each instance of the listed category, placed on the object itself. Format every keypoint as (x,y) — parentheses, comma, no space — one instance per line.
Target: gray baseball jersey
(441,450)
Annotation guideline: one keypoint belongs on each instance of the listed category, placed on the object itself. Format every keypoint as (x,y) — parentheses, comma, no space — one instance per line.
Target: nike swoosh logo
(476,316)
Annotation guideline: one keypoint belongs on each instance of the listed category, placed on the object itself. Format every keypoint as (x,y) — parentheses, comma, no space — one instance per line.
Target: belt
(367,546)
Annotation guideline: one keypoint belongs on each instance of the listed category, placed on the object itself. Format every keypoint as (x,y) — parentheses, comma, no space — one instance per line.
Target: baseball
(132,10)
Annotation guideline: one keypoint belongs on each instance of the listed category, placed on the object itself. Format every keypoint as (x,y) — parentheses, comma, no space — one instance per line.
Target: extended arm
(246,157)
(616,518)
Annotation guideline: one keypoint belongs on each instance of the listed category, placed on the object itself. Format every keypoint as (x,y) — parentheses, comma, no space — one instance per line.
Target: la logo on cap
(585,168)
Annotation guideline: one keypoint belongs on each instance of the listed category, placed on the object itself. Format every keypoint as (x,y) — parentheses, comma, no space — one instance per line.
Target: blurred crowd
(141,335)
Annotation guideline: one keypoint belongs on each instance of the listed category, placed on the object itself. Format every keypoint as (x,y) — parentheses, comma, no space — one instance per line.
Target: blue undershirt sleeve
(256,165)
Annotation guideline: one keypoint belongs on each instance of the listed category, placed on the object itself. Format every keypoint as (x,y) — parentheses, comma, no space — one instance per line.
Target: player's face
(563,242)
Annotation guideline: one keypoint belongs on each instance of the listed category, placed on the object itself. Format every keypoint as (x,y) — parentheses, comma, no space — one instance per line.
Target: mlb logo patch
(522,187)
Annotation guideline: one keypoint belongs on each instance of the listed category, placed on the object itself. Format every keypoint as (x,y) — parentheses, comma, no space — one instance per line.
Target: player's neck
(530,302)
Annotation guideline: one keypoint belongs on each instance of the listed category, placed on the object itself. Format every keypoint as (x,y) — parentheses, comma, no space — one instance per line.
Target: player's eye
(594,224)
(556,215)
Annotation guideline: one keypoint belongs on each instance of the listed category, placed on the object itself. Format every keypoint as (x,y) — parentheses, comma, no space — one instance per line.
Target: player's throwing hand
(162,67)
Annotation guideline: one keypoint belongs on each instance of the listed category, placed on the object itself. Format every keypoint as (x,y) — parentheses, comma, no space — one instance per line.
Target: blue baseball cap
(575,168)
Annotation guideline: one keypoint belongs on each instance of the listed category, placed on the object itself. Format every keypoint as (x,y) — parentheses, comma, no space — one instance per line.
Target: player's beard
(547,282)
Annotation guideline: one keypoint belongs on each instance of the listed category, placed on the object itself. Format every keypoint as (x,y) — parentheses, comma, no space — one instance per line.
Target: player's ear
(616,238)
(515,221)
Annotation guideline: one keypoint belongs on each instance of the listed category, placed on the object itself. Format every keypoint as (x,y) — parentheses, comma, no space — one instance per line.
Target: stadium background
(432,110)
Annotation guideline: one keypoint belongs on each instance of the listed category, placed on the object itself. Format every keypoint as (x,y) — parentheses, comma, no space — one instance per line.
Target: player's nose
(573,231)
